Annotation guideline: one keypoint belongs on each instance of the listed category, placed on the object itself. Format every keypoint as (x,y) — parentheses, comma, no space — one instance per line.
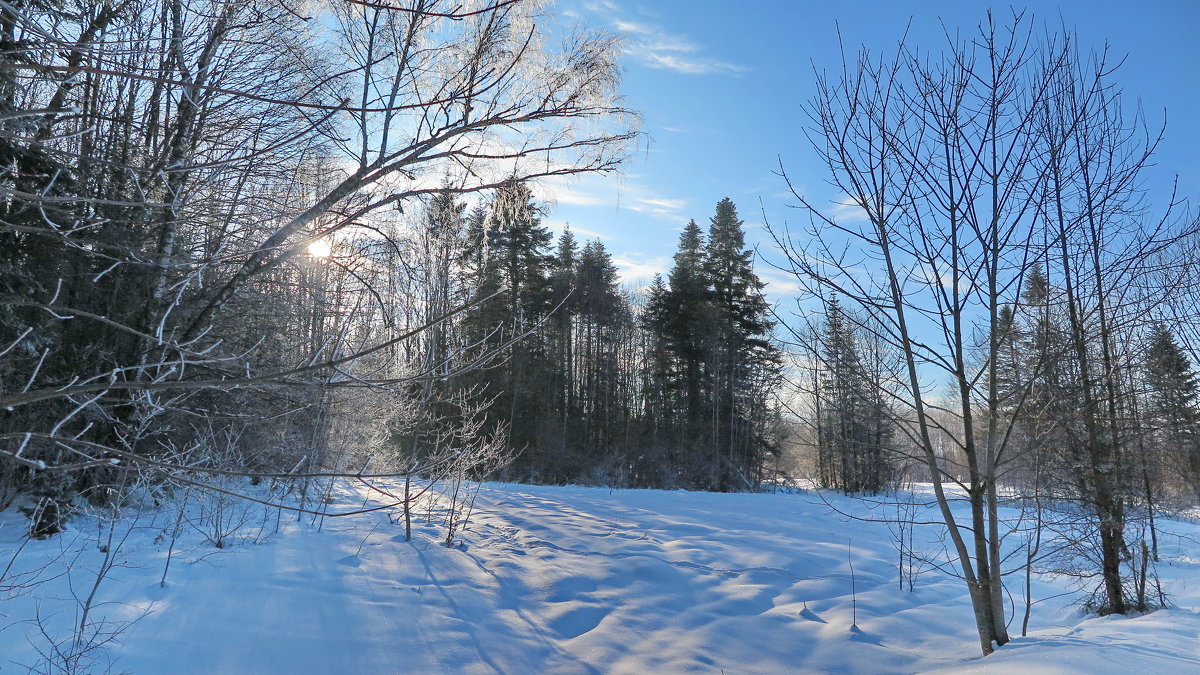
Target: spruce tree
(512,266)
(563,276)
(1172,407)
(743,363)
(602,311)
(854,421)
(685,332)
(564,298)
(657,376)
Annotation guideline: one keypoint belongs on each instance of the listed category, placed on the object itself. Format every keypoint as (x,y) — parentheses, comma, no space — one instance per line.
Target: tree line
(234,240)
(667,387)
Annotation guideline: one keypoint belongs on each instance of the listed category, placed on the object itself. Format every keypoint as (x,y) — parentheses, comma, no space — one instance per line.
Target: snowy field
(551,580)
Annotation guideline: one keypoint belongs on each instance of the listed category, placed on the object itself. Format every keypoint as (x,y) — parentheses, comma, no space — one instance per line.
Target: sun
(320,248)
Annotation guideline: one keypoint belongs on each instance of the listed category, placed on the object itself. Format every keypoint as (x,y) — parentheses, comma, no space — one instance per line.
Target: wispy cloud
(779,284)
(635,267)
(665,204)
(651,45)
(845,211)
(573,197)
(598,5)
(606,192)
(936,276)
(557,226)
(590,234)
(682,64)
(633,27)
(668,209)
(565,191)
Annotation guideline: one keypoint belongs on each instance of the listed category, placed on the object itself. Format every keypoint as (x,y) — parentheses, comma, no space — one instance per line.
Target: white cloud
(564,195)
(633,27)
(665,209)
(652,46)
(579,232)
(689,66)
(591,234)
(598,5)
(846,211)
(779,283)
(666,204)
(639,267)
(579,190)
(612,193)
(937,276)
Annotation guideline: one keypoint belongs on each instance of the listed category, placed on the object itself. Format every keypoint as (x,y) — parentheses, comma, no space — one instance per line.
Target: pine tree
(743,363)
(563,277)
(564,296)
(484,326)
(838,394)
(657,377)
(440,247)
(1174,390)
(522,242)
(511,264)
(36,264)
(1171,378)
(602,312)
(683,323)
(685,331)
(854,422)
(1037,386)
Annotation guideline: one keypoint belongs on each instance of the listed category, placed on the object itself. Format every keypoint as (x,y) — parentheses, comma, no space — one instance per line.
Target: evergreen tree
(440,246)
(854,425)
(1171,378)
(563,276)
(484,326)
(1050,414)
(1172,408)
(743,364)
(600,298)
(511,265)
(602,311)
(521,241)
(657,376)
(33,261)
(564,297)
(88,194)
(684,325)
(695,372)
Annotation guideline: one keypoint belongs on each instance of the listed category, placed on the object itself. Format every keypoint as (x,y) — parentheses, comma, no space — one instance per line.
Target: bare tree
(941,158)
(167,164)
(997,189)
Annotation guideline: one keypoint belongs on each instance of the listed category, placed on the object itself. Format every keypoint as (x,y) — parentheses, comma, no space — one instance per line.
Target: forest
(251,243)
(166,297)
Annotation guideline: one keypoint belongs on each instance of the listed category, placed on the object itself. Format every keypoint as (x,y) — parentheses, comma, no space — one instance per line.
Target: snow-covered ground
(558,580)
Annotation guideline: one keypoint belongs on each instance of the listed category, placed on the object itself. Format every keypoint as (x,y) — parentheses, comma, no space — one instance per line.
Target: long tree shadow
(509,599)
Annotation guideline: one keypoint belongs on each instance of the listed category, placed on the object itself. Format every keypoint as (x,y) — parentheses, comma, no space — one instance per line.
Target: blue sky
(721,87)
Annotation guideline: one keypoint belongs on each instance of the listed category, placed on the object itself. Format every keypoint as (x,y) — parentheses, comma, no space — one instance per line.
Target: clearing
(553,580)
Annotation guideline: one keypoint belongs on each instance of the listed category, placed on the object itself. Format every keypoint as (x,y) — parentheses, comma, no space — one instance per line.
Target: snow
(561,580)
